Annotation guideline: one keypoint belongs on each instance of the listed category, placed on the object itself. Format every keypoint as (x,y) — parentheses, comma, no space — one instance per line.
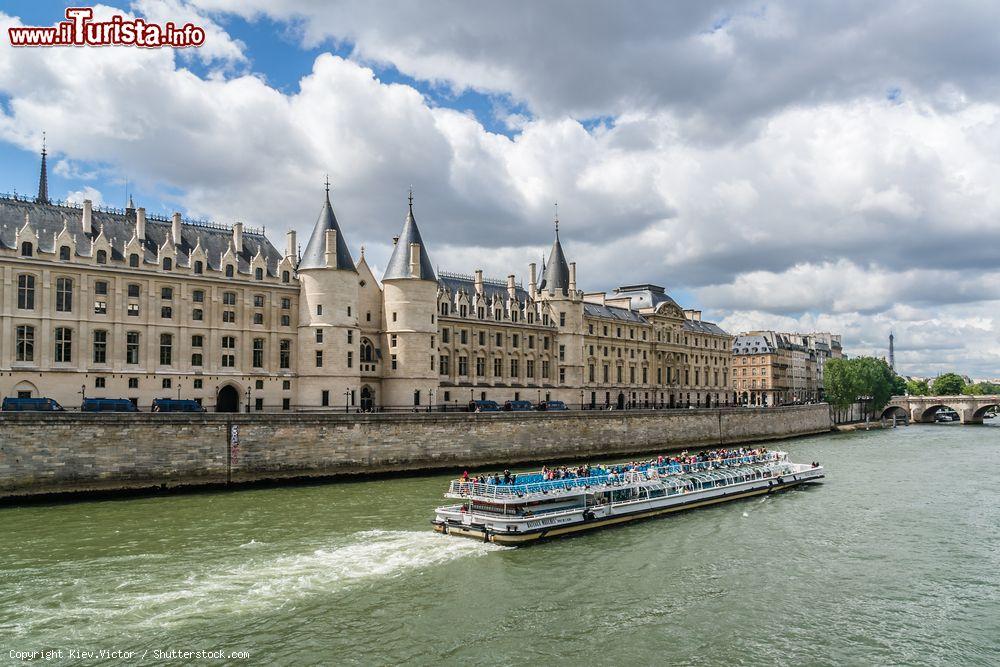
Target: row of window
(462,338)
(63,350)
(198,267)
(672,375)
(463,311)
(444,367)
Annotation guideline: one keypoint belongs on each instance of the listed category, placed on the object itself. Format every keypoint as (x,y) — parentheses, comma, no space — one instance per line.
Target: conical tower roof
(314,256)
(399,263)
(556,273)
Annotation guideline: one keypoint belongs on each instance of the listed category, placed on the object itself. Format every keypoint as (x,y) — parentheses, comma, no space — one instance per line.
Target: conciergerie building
(122,304)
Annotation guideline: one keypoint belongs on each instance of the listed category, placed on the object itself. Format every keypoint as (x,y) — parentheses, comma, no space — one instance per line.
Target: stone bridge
(921,409)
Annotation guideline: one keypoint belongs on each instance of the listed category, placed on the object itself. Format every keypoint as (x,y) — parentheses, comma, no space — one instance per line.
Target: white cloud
(879,214)
(94,195)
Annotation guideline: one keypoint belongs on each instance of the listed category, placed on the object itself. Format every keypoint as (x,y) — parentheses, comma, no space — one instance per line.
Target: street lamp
(347,397)
(178,390)
(248,398)
(581,399)
(430,400)
(83,395)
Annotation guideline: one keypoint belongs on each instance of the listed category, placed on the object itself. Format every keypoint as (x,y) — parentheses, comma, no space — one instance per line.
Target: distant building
(771,368)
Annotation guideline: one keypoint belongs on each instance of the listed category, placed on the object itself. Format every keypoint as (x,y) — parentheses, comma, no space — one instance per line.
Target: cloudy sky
(800,166)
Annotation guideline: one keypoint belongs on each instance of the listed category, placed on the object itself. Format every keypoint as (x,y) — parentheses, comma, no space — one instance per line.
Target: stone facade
(121,304)
(58,453)
(774,368)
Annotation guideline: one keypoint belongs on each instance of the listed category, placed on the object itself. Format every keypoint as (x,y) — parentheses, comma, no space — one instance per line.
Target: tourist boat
(533,506)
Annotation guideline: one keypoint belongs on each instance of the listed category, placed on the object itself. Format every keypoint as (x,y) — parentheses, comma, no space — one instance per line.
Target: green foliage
(983,388)
(948,384)
(918,388)
(847,380)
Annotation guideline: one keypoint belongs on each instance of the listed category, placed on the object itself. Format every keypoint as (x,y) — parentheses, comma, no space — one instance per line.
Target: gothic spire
(315,253)
(556,271)
(399,262)
(43,178)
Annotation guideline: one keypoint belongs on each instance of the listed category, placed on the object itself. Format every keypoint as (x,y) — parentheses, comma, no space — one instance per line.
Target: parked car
(552,405)
(484,406)
(176,405)
(108,405)
(518,406)
(31,405)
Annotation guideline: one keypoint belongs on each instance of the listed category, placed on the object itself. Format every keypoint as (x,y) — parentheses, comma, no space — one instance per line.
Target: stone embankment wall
(58,453)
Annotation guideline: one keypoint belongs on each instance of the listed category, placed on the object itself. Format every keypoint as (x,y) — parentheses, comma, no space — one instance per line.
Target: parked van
(518,406)
(176,405)
(552,405)
(108,405)
(31,405)
(484,406)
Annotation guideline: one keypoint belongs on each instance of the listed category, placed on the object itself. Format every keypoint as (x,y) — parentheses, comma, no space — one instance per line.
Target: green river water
(895,559)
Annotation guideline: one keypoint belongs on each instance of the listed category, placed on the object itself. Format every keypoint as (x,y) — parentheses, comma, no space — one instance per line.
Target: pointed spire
(43,178)
(399,262)
(131,204)
(315,253)
(556,273)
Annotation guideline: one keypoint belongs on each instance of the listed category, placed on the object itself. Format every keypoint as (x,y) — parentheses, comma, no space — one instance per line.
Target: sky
(822,166)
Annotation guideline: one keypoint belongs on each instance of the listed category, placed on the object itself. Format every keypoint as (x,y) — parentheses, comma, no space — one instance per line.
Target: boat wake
(247,581)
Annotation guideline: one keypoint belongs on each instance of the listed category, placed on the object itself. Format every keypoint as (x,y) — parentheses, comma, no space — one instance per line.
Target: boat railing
(605,478)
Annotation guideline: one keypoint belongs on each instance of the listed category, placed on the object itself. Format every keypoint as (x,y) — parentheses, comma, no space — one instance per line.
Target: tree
(948,384)
(840,382)
(847,380)
(898,385)
(983,388)
(918,388)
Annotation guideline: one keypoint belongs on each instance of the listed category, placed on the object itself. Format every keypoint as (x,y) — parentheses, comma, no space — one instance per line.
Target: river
(894,559)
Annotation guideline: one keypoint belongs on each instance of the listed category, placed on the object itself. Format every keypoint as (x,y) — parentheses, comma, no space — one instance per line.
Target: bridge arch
(927,413)
(979,414)
(891,411)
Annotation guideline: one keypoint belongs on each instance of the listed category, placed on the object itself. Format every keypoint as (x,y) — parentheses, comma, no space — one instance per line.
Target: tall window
(64,253)
(258,352)
(285,353)
(64,295)
(27,250)
(258,273)
(64,345)
(100,346)
(229,298)
(168,264)
(199,267)
(228,358)
(229,270)
(26,292)
(102,256)
(367,351)
(25,343)
(132,347)
(166,349)
(133,260)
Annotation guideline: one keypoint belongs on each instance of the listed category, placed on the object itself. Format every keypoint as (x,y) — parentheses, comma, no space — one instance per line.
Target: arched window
(102,256)
(367,351)
(229,270)
(26,292)
(168,264)
(27,250)
(199,268)
(64,253)
(258,273)
(285,276)
(133,260)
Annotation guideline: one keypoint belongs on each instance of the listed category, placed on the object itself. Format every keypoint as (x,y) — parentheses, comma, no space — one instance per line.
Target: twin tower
(359,344)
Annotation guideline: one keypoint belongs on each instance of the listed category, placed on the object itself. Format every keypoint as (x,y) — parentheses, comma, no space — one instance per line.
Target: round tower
(409,287)
(328,366)
(564,304)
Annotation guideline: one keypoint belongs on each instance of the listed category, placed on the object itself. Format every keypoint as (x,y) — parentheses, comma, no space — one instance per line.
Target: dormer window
(229,270)
(102,257)
(168,264)
(199,267)
(27,250)
(285,276)
(258,273)
(133,261)
(64,253)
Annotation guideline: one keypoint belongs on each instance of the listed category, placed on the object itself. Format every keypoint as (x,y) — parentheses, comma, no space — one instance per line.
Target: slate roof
(556,273)
(399,262)
(314,256)
(456,282)
(645,296)
(613,312)
(47,221)
(699,326)
(752,344)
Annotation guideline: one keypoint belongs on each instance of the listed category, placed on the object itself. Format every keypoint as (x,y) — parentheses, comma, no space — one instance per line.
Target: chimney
(415,260)
(532,287)
(290,244)
(140,223)
(88,210)
(572,277)
(237,233)
(175,229)
(331,248)
(511,290)
(479,282)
